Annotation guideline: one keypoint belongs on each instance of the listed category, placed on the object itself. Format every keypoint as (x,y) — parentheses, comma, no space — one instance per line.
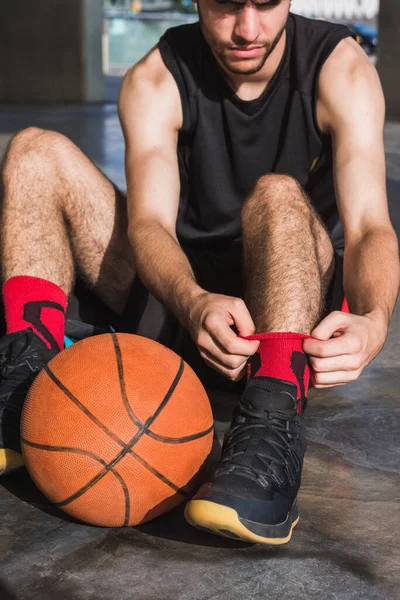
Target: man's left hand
(343,345)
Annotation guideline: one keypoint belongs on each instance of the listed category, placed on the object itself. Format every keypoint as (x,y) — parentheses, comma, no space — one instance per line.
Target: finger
(345,362)
(227,340)
(323,387)
(347,343)
(337,378)
(211,351)
(243,319)
(333,322)
(232,374)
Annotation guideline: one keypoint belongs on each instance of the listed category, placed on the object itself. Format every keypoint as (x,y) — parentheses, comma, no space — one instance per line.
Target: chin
(244,67)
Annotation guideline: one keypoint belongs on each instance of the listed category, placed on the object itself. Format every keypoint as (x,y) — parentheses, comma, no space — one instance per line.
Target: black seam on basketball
(182,440)
(81,406)
(139,424)
(131,414)
(64,449)
(158,474)
(129,445)
(104,463)
(126,494)
(94,457)
(168,395)
(118,356)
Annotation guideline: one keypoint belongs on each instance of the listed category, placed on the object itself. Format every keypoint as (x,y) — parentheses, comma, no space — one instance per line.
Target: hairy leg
(60,213)
(288,257)
(288,260)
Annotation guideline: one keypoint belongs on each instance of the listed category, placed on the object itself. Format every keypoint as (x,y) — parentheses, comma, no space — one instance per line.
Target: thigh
(98,229)
(52,189)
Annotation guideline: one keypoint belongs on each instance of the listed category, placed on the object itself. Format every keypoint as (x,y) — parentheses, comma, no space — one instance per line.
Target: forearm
(371,274)
(163,267)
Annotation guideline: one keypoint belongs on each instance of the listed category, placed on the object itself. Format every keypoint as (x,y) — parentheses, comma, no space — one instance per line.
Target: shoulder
(149,86)
(150,73)
(348,57)
(348,84)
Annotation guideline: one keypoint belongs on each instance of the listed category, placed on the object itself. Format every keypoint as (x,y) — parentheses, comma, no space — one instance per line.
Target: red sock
(38,304)
(281,356)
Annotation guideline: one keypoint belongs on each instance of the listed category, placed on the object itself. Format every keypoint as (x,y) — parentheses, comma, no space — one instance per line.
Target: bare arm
(353,112)
(151,116)
(351,109)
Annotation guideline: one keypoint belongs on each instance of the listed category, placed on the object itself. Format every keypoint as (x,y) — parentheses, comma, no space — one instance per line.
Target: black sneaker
(252,495)
(22,356)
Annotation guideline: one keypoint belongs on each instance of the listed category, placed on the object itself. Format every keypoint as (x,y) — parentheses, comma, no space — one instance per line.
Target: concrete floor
(346,545)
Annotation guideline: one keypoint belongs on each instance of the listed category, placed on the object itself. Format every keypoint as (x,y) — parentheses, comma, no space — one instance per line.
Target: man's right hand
(210,321)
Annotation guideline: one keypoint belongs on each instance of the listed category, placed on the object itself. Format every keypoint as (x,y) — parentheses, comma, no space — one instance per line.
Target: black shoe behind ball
(22,355)
(252,495)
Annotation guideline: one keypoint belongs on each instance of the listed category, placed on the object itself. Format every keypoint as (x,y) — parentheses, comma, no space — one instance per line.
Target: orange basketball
(115,428)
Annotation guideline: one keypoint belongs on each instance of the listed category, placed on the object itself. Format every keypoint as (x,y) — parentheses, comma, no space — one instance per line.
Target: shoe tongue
(266,394)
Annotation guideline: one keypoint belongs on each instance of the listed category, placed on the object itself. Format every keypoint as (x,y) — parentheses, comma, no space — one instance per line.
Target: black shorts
(216,271)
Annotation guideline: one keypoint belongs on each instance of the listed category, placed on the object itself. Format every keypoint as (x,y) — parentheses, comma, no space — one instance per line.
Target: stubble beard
(220,52)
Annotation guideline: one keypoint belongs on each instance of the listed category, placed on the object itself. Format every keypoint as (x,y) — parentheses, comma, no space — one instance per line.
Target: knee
(33,148)
(277,183)
(274,193)
(28,140)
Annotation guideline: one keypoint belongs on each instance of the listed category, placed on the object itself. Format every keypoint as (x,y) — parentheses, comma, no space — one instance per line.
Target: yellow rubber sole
(10,461)
(224,521)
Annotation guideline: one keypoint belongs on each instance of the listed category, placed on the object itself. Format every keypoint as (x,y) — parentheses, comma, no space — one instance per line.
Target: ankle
(32,302)
(280,357)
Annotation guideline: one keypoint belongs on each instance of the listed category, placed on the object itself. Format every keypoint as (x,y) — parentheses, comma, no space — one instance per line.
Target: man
(236,132)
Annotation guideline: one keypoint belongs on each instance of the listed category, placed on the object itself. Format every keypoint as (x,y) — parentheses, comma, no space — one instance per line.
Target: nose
(247,25)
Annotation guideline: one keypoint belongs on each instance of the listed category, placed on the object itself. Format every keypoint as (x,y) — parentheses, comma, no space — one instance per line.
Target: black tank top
(226,144)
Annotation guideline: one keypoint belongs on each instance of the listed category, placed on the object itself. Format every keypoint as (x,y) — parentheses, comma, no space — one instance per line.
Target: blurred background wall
(389,55)
(51,51)
(59,50)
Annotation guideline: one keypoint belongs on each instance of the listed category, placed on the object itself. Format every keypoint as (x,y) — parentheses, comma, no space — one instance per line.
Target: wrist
(380,319)
(186,294)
